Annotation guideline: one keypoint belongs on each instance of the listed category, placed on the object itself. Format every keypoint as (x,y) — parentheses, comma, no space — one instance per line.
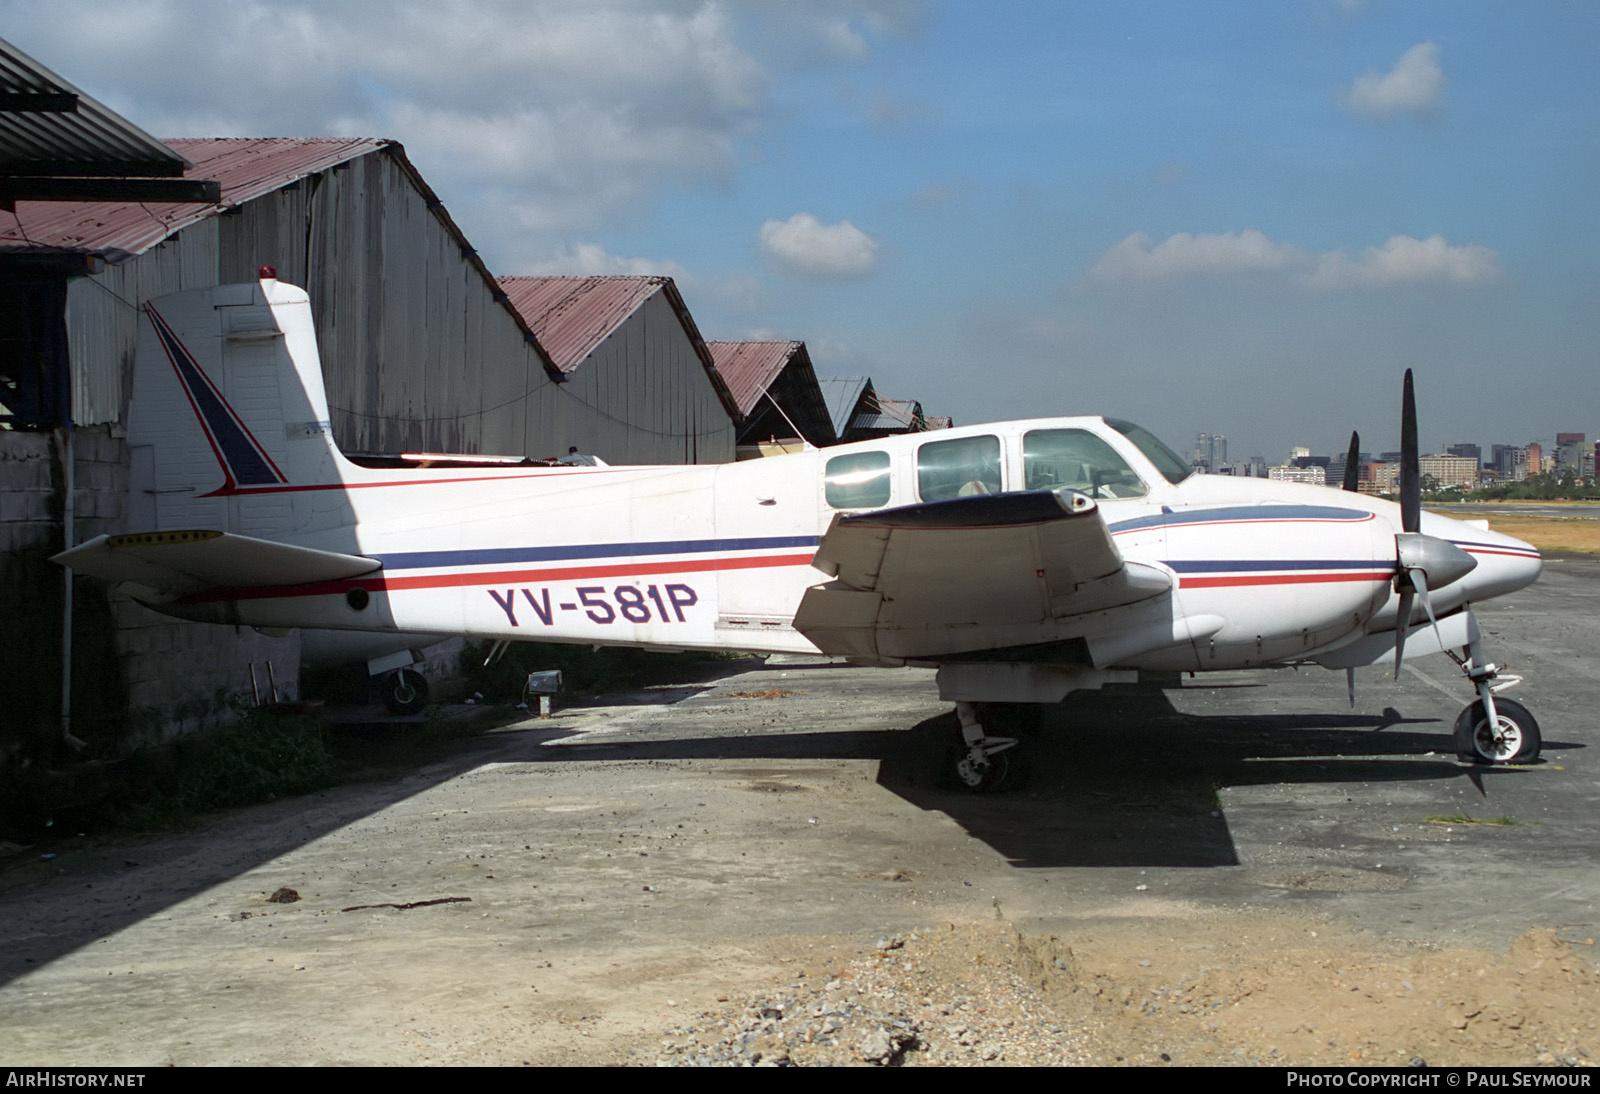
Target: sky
(1238,218)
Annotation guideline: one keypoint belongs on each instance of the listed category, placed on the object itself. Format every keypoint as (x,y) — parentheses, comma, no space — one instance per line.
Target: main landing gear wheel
(1513,739)
(405,691)
(981,774)
(979,762)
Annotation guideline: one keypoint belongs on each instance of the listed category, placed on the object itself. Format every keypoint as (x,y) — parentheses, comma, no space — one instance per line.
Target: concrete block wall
(30,596)
(26,490)
(139,677)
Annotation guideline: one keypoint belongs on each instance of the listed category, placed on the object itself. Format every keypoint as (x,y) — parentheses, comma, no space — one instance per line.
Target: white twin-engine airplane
(1025,560)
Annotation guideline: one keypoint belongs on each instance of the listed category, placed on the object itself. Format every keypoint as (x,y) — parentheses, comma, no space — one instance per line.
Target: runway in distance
(1024,560)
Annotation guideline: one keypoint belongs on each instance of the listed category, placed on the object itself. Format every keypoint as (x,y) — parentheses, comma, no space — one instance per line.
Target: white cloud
(592,260)
(737,294)
(1137,259)
(1414,86)
(1402,260)
(803,245)
(569,114)
(832,30)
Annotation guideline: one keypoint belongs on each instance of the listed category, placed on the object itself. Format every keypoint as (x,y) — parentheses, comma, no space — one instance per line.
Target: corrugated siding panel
(102,317)
(643,396)
(417,353)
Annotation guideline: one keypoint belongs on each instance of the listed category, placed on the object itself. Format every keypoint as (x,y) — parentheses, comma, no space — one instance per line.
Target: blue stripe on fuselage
(1186,566)
(497,556)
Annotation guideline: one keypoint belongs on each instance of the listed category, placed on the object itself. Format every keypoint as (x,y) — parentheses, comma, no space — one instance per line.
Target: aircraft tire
(405,691)
(1005,771)
(1517,740)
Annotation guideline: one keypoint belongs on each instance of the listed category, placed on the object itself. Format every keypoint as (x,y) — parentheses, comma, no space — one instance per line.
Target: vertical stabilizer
(229,423)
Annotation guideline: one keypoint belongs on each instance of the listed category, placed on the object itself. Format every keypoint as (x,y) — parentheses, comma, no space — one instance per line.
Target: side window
(959,468)
(1078,460)
(858,481)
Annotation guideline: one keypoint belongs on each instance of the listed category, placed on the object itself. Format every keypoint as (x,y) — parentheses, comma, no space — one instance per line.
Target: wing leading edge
(984,572)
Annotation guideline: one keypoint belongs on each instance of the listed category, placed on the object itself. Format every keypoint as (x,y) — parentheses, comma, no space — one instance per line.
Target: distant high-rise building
(1534,455)
(1288,472)
(1337,463)
(1466,450)
(1210,452)
(1449,471)
(1570,452)
(1379,478)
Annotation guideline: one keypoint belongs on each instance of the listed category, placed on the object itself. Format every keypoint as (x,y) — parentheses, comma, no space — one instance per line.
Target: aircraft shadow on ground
(1122,778)
(1118,778)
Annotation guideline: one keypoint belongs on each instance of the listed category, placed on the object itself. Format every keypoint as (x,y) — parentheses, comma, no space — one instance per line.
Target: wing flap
(175,563)
(967,574)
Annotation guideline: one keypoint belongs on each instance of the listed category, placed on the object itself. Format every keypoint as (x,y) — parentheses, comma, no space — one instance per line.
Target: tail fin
(229,423)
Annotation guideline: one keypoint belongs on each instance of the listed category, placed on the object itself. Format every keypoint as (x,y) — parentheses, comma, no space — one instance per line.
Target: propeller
(1352,464)
(1352,483)
(1423,562)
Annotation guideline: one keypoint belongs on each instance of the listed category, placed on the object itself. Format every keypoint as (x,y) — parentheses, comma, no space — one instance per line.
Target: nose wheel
(1492,730)
(1510,736)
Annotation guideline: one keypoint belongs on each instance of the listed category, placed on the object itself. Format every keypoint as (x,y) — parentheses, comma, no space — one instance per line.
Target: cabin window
(1171,466)
(1078,460)
(958,468)
(858,481)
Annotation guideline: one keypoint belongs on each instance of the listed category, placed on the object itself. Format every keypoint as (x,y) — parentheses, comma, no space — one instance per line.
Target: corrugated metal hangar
(423,350)
(638,384)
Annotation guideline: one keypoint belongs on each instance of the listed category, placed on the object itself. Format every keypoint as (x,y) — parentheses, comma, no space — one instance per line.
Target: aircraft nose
(1505,564)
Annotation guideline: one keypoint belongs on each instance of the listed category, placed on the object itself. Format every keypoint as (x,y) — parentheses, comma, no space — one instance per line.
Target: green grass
(1463,820)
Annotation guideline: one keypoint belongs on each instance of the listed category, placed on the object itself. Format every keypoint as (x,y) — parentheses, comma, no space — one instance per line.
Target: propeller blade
(1350,684)
(1420,581)
(1410,462)
(1352,464)
(1402,624)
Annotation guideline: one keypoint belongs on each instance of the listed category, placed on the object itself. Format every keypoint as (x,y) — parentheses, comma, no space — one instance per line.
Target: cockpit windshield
(1171,466)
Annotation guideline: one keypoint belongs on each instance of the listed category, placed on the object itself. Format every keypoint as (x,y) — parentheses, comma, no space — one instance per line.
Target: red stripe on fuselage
(1507,554)
(500,577)
(243,491)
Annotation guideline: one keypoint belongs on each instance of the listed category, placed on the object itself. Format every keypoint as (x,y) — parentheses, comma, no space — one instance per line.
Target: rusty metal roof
(246,167)
(573,315)
(49,127)
(748,368)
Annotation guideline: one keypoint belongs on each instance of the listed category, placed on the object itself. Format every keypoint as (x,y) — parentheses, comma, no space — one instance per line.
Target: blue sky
(1239,218)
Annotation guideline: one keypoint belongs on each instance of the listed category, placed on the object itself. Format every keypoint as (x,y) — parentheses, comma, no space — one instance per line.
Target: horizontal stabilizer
(185,562)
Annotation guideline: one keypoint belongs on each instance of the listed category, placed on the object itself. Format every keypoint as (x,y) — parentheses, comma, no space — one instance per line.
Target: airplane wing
(174,563)
(983,572)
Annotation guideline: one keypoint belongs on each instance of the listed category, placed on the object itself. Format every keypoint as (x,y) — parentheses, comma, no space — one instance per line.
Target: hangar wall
(641,396)
(421,352)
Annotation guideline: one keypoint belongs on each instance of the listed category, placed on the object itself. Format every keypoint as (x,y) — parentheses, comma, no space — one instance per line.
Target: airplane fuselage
(718,557)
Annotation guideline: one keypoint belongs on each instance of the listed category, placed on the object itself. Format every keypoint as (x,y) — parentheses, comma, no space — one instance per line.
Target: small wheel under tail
(405,691)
